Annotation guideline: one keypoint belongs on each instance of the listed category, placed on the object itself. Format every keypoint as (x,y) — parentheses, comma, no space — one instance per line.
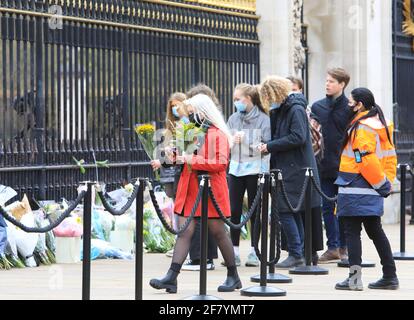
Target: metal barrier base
(202,297)
(314,270)
(364,264)
(403,256)
(262,291)
(273,278)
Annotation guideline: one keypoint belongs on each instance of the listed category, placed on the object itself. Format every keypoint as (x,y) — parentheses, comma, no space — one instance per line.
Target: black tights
(217,230)
(237,188)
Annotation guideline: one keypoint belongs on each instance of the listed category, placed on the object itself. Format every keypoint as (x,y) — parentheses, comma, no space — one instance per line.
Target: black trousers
(237,188)
(195,247)
(373,227)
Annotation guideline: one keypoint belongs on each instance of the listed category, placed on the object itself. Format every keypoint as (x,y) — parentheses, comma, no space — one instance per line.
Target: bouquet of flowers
(146,134)
(188,137)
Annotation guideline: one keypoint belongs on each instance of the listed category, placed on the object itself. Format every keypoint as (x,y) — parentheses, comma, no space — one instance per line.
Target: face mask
(274,106)
(352,108)
(240,106)
(185,120)
(175,112)
(195,118)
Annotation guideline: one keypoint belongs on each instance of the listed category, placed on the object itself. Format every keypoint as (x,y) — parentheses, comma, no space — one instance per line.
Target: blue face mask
(274,106)
(240,106)
(175,112)
(185,120)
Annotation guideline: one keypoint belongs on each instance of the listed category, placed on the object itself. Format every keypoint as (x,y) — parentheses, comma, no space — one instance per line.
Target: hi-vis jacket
(364,181)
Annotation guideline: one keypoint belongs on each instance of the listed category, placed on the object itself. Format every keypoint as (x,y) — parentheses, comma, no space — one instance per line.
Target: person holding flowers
(176,116)
(212,158)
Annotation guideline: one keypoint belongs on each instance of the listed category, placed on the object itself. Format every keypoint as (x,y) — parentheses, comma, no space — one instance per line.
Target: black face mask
(195,118)
(352,109)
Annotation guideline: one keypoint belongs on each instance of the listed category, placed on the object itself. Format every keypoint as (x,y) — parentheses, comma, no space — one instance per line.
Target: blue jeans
(293,229)
(334,229)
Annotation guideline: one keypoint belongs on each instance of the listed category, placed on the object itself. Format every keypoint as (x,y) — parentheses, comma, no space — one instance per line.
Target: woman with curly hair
(291,152)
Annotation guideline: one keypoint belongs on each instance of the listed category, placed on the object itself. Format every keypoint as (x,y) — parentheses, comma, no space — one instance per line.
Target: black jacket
(291,149)
(334,115)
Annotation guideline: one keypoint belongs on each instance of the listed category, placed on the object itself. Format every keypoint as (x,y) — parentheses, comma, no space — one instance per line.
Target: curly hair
(274,89)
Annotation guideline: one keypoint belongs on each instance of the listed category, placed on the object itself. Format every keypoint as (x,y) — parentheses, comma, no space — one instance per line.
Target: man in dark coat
(334,115)
(291,151)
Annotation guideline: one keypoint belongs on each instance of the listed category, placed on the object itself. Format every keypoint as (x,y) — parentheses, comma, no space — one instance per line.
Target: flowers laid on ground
(20,249)
(146,134)
(156,238)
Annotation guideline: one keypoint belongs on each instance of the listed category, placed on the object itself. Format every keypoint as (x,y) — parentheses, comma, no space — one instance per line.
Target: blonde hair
(251,91)
(170,119)
(203,104)
(274,89)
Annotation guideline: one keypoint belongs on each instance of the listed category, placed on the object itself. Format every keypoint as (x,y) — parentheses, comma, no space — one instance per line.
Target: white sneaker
(191,265)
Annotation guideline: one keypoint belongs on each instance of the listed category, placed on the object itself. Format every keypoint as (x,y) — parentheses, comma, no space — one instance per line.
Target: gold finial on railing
(247,5)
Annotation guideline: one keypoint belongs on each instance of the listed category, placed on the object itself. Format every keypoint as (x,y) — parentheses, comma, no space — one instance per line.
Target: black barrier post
(263,290)
(139,239)
(204,244)
(412,197)
(308,268)
(86,258)
(273,277)
(402,255)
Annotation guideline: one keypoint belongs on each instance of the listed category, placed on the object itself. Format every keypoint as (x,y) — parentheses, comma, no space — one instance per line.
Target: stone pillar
(355,35)
(275,26)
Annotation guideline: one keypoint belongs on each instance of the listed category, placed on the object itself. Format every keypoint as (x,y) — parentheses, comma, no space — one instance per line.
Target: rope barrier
(257,230)
(51,226)
(118,212)
(249,213)
(319,189)
(302,195)
(185,225)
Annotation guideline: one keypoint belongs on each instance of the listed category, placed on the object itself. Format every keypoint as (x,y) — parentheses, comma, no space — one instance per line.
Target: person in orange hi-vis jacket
(368,167)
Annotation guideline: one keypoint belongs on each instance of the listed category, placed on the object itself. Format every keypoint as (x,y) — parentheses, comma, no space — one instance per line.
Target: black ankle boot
(347,284)
(385,284)
(230,284)
(169,282)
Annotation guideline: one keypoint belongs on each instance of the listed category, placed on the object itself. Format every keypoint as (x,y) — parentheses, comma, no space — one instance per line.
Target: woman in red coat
(212,158)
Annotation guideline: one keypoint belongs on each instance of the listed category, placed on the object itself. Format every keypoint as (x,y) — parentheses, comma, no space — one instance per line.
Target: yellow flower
(145,129)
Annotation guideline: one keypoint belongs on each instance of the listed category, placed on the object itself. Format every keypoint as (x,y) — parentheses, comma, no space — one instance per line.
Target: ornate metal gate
(77,75)
(403,53)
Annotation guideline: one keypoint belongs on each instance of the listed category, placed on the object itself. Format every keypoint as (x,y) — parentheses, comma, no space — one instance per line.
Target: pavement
(114,279)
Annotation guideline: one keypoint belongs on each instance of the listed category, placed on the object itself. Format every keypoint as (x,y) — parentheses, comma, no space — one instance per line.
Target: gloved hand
(385,189)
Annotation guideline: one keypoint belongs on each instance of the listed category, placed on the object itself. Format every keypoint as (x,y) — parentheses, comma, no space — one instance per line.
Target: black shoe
(385,284)
(315,259)
(169,282)
(230,284)
(345,285)
(290,262)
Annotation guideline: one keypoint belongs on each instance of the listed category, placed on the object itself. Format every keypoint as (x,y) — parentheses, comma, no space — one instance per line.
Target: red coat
(213,157)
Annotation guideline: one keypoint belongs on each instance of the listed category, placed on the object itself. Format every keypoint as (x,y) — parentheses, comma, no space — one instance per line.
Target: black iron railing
(76,76)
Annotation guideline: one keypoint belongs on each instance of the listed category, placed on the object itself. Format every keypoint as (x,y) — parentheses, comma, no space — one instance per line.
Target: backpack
(316,135)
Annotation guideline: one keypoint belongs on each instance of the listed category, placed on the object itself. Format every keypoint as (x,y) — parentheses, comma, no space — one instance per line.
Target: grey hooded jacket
(245,158)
